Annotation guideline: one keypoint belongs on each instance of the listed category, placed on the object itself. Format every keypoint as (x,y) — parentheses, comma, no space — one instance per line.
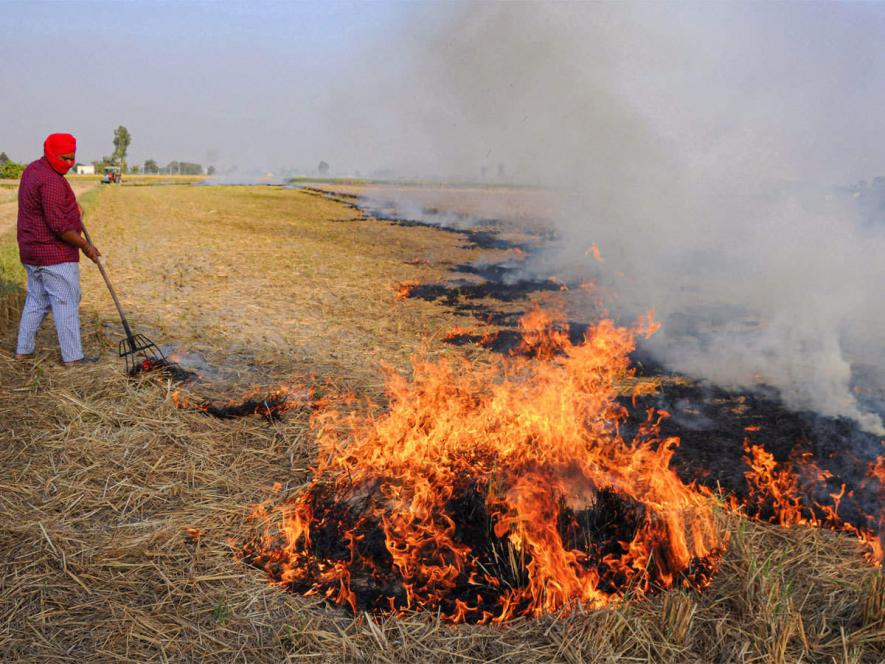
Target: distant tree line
(10,170)
(174,168)
(122,139)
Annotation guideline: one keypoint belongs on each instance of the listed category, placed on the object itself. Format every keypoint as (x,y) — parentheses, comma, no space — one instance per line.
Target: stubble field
(118,510)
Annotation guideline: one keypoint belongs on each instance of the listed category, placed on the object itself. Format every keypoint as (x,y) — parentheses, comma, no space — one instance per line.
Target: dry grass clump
(117,510)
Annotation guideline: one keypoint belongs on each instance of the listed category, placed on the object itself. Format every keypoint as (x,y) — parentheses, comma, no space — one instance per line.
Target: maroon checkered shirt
(47,208)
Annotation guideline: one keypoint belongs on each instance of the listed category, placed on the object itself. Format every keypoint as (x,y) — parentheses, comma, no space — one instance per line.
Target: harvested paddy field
(9,201)
(121,513)
(526,206)
(267,282)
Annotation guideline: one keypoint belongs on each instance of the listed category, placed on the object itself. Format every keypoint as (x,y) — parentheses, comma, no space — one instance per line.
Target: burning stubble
(522,487)
(487,494)
(700,148)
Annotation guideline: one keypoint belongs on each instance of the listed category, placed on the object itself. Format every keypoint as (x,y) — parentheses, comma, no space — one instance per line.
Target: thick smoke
(701,147)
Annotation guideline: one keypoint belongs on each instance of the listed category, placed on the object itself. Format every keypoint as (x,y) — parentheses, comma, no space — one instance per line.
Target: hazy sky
(238,82)
(368,85)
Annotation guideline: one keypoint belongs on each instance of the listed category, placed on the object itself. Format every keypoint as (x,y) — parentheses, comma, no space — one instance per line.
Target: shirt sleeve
(60,209)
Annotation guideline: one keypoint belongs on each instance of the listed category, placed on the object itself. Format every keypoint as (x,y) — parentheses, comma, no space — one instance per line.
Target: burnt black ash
(713,425)
(599,532)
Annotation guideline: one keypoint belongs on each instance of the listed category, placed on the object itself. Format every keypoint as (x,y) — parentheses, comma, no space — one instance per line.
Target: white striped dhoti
(55,287)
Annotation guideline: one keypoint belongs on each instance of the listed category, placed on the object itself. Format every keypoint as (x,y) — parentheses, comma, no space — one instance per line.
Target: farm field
(533,208)
(9,202)
(120,511)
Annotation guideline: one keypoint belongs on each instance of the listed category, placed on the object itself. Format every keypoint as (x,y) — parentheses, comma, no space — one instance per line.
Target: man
(49,242)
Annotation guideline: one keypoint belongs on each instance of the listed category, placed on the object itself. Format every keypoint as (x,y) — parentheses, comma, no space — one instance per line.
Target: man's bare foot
(24,356)
(86,359)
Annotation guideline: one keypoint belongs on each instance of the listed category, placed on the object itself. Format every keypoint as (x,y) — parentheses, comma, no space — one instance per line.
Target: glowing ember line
(270,404)
(780,493)
(404,289)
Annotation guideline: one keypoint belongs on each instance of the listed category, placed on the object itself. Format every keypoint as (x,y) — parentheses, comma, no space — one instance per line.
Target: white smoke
(701,146)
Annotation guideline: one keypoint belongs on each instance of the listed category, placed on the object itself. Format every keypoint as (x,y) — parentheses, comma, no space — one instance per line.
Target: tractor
(112,174)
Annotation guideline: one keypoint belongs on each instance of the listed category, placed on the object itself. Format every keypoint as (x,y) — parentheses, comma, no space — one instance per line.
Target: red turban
(58,144)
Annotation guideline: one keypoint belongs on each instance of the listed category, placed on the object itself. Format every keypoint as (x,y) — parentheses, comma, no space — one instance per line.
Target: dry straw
(117,510)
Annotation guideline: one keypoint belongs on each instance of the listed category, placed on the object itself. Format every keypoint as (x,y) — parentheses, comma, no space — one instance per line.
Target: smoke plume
(704,148)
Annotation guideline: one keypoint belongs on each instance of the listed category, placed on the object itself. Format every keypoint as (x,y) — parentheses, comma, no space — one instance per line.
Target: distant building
(84,169)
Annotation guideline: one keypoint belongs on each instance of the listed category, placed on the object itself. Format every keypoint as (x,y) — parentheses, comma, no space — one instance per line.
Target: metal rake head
(140,352)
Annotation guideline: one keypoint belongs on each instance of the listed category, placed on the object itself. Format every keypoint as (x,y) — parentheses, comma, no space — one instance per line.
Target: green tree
(183,168)
(101,163)
(122,139)
(9,170)
(3,158)
(323,168)
(210,170)
(150,166)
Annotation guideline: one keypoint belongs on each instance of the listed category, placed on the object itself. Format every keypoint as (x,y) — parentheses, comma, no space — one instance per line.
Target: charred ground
(715,425)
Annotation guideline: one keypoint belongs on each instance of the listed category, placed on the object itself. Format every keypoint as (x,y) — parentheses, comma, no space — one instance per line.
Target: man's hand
(92,252)
(74,238)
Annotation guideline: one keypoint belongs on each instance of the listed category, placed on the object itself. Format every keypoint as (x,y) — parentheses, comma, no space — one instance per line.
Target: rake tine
(138,345)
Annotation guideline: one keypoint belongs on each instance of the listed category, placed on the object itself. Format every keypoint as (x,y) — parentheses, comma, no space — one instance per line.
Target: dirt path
(9,204)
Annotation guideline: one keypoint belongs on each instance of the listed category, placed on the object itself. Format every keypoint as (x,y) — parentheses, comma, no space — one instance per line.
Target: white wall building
(84,169)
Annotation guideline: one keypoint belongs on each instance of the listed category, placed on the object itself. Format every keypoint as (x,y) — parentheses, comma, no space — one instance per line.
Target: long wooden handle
(107,282)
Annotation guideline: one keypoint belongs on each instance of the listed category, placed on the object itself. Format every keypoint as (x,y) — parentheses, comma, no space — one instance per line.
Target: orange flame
(531,447)
(776,494)
(556,281)
(876,471)
(647,326)
(594,251)
(489,338)
(404,289)
(193,534)
(183,402)
(544,333)
(457,332)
